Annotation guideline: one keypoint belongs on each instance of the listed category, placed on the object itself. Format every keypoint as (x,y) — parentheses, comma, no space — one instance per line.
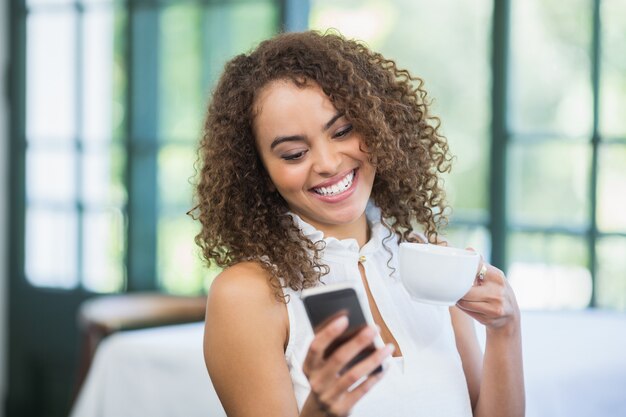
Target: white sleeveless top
(428,380)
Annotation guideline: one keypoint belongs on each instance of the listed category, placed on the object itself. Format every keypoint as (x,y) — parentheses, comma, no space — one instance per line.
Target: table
(149,373)
(574,365)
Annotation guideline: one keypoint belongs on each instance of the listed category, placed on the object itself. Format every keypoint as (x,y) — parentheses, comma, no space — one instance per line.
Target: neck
(359,230)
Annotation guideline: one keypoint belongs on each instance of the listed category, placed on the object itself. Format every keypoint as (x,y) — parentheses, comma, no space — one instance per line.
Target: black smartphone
(327,302)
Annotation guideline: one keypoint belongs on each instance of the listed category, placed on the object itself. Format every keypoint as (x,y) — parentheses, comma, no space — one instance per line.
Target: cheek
(369,170)
(359,149)
(288,178)
(276,173)
(364,158)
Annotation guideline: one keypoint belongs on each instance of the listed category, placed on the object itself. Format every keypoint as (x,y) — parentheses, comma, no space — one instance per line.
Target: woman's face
(313,156)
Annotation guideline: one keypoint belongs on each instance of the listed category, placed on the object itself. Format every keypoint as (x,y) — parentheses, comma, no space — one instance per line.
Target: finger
(479,293)
(494,275)
(482,260)
(336,362)
(493,279)
(364,368)
(323,338)
(471,306)
(485,294)
(479,317)
(351,398)
(338,385)
(491,310)
(481,274)
(345,400)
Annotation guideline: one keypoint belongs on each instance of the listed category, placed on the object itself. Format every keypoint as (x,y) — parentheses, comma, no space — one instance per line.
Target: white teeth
(338,187)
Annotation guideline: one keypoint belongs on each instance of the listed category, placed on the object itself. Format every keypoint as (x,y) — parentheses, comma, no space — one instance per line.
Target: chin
(347,216)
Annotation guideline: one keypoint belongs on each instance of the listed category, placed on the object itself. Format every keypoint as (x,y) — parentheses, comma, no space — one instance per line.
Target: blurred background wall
(4,174)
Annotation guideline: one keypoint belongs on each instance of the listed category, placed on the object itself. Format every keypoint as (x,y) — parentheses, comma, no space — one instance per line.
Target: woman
(318,157)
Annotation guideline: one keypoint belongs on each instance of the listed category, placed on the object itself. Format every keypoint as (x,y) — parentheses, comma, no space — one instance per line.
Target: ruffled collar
(338,246)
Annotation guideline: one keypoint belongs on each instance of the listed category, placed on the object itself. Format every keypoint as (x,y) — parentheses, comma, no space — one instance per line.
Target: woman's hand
(330,383)
(501,377)
(491,301)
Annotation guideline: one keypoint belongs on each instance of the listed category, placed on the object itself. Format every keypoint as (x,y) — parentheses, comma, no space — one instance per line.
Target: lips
(337,187)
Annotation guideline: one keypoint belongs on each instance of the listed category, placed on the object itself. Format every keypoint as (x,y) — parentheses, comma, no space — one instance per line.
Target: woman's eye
(294,156)
(343,132)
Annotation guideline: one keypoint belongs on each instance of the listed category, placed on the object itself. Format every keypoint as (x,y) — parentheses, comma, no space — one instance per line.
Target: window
(115,95)
(563,184)
(529,93)
(424,38)
(74,146)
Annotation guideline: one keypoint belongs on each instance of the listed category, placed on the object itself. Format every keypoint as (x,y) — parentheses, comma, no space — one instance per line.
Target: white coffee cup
(437,274)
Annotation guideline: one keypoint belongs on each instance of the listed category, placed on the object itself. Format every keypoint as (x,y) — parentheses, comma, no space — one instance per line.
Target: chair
(101,316)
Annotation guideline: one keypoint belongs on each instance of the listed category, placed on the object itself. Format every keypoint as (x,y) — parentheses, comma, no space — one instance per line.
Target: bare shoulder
(243,293)
(246,329)
(244,281)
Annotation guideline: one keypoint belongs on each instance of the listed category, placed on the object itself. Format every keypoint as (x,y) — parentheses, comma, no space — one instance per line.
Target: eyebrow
(296,138)
(332,121)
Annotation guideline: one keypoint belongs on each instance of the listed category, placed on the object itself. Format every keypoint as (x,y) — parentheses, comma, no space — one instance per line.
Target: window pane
(611,273)
(613,65)
(176,173)
(51,175)
(51,248)
(119,76)
(232,28)
(370,22)
(548,184)
(476,237)
(97,110)
(549,271)
(181,94)
(96,2)
(181,270)
(612,188)
(456,73)
(36,3)
(103,251)
(43,4)
(51,76)
(228,29)
(550,67)
(192,58)
(103,176)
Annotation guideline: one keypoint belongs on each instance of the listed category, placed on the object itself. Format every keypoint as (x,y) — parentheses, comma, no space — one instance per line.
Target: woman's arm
(246,332)
(244,339)
(495,382)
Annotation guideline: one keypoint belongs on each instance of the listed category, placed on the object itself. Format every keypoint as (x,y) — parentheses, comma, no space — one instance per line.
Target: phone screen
(324,307)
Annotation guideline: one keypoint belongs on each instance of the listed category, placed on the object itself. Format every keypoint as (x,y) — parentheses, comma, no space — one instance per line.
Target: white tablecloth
(156,372)
(574,362)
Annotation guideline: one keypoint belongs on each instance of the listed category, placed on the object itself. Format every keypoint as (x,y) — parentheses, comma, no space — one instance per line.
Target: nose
(327,159)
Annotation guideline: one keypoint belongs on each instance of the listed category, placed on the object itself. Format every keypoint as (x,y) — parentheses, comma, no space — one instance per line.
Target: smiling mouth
(337,188)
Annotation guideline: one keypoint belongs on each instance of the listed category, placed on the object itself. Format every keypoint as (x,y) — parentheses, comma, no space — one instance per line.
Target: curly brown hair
(244,219)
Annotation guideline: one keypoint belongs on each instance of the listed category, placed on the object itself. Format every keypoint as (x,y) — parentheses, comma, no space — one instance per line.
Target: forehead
(281,104)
